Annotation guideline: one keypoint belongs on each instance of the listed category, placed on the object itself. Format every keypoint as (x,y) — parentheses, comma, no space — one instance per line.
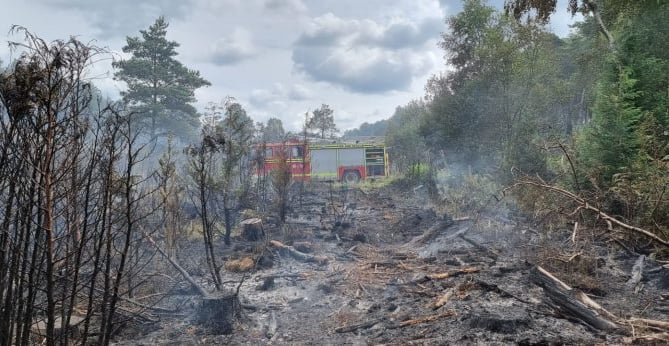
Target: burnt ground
(390,260)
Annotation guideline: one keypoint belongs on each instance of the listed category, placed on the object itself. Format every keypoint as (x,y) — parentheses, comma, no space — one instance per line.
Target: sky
(278,58)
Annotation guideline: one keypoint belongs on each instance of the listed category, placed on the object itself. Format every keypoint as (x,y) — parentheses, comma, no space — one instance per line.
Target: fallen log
(298,255)
(651,323)
(572,303)
(651,339)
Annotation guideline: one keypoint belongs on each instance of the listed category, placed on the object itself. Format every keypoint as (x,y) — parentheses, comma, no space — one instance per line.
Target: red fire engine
(346,162)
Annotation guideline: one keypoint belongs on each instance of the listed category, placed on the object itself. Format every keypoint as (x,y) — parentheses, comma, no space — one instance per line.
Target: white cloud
(278,95)
(123,17)
(364,55)
(286,6)
(233,48)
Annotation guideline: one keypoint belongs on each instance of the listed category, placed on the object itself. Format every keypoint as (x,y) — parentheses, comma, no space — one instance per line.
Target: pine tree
(609,146)
(160,88)
(323,121)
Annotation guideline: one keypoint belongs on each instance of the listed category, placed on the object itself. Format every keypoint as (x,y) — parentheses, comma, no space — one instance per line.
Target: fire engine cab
(345,162)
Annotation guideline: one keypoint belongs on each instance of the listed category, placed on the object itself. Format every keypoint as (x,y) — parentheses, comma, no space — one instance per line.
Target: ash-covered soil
(397,272)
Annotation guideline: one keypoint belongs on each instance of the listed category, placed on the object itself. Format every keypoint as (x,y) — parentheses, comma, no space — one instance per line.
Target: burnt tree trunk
(218,312)
(252,229)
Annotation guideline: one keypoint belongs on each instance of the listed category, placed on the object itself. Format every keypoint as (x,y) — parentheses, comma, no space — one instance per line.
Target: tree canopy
(322,120)
(273,131)
(366,129)
(160,87)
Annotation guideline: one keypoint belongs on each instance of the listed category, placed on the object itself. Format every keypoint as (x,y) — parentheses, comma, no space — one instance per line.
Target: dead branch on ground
(432,232)
(298,255)
(183,272)
(584,204)
(443,299)
(356,326)
(446,275)
(480,247)
(425,319)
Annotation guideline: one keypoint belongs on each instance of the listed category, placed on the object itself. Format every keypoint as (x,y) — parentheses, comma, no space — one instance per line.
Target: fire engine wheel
(351,177)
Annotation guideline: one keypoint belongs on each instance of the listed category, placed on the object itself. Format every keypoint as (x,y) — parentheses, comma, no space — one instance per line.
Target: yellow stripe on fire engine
(344,146)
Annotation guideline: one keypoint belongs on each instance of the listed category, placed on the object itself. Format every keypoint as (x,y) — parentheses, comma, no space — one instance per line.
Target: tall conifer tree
(160,87)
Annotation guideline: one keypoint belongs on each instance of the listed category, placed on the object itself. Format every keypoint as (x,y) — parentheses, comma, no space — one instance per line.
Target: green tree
(606,13)
(504,97)
(160,87)
(238,129)
(406,146)
(368,130)
(631,94)
(467,30)
(609,145)
(273,131)
(323,121)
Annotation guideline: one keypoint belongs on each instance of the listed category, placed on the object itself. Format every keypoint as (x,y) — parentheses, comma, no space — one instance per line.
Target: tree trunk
(217,313)
(252,229)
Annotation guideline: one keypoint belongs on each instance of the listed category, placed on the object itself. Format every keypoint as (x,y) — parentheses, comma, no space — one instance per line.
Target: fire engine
(345,162)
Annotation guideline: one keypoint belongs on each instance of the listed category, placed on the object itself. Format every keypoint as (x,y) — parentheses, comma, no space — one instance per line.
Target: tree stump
(252,229)
(218,312)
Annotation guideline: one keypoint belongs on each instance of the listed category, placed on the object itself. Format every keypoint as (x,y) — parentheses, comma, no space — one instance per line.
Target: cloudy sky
(279,58)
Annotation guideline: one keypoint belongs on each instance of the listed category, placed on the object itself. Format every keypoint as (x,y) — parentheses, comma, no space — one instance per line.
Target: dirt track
(386,283)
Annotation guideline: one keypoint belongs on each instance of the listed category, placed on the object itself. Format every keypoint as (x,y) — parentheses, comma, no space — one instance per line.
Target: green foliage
(273,131)
(541,10)
(467,31)
(323,121)
(623,151)
(368,130)
(407,148)
(238,130)
(160,88)
(507,94)
(464,192)
(609,145)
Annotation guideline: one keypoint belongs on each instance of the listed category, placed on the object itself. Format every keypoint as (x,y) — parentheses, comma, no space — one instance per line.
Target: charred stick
(421,320)
(446,275)
(475,244)
(443,299)
(183,272)
(357,326)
